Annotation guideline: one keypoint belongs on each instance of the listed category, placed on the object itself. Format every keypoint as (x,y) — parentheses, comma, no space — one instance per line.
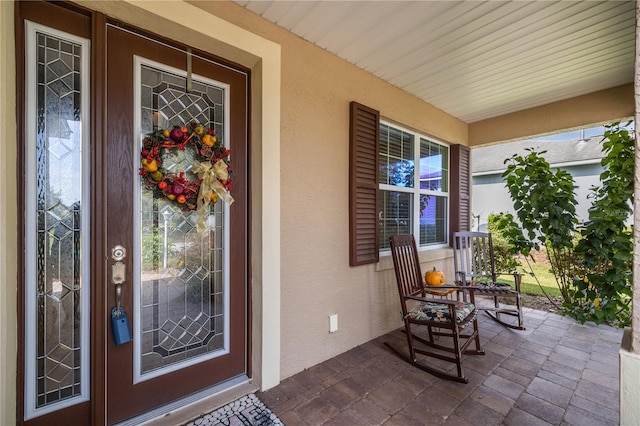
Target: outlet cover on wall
(333,323)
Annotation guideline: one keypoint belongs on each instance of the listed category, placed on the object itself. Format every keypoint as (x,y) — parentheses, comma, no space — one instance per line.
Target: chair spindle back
(473,256)
(407,266)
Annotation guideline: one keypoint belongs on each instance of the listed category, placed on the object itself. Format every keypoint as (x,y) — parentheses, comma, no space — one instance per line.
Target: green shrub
(603,294)
(593,265)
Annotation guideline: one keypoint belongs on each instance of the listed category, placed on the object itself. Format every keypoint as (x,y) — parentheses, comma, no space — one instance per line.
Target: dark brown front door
(185,291)
(90,93)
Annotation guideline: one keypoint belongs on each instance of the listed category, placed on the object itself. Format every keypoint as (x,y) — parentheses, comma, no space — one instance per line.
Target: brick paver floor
(556,372)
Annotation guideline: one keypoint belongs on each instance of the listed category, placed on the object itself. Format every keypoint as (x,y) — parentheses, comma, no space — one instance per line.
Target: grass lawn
(546,278)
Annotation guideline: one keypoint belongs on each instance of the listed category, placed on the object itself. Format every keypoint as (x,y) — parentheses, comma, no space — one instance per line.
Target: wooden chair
(475,266)
(440,318)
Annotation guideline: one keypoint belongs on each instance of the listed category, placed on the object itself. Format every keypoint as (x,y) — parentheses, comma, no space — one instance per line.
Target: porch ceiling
(473,59)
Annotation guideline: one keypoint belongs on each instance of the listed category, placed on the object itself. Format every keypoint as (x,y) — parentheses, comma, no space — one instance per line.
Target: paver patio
(556,372)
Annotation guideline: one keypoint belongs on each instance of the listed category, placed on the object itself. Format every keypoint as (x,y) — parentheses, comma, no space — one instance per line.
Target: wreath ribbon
(211,175)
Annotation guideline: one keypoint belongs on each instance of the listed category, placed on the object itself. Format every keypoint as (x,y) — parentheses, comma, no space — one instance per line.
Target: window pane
(433,213)
(434,161)
(395,215)
(396,157)
(59,186)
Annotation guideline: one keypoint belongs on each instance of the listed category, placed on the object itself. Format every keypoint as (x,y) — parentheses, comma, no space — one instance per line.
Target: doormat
(246,411)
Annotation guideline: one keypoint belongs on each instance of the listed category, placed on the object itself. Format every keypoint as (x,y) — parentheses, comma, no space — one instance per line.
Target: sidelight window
(56,220)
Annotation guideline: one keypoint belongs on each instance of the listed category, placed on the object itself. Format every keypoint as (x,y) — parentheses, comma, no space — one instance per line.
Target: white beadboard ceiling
(473,59)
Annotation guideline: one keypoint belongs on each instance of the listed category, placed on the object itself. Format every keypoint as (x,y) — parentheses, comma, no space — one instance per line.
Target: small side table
(443,293)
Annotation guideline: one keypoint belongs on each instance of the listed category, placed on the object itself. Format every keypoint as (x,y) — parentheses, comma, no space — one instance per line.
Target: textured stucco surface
(8,218)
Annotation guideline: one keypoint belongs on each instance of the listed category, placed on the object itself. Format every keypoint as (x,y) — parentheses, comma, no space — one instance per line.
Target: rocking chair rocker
(475,266)
(443,319)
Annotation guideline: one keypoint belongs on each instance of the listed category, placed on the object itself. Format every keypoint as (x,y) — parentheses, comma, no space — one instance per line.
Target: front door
(114,218)
(185,285)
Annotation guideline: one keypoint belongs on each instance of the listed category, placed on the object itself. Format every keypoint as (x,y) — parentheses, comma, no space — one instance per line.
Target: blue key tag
(120,326)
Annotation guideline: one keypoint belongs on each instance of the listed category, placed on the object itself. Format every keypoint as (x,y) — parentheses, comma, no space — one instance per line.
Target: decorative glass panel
(182,300)
(57,207)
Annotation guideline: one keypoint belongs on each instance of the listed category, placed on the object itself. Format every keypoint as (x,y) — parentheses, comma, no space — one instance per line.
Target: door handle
(119,319)
(118,273)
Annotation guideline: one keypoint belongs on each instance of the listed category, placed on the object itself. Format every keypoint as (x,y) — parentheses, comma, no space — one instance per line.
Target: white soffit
(473,59)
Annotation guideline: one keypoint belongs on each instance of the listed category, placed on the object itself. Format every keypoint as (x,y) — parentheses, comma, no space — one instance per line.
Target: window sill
(386,261)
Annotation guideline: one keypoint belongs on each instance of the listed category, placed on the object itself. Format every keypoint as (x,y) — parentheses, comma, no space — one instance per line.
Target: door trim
(98,186)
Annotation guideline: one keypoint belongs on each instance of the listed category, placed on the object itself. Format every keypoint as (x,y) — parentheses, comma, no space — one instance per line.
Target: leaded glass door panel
(181,299)
(185,291)
(57,213)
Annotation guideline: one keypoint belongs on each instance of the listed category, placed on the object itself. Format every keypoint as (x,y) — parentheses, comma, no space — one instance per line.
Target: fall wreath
(211,168)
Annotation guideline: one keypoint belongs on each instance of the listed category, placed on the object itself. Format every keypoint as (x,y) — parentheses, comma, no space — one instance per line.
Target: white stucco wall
(629,383)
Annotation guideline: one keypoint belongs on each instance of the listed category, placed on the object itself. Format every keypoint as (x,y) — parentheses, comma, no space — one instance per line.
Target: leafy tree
(545,206)
(503,250)
(592,265)
(606,249)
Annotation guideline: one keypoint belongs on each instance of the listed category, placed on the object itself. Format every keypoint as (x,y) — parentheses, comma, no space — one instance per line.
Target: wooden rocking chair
(442,318)
(475,267)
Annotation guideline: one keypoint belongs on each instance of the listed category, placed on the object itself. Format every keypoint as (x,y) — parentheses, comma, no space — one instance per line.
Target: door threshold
(195,405)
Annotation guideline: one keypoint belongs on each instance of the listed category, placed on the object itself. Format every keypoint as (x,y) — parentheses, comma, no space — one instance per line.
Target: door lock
(118,253)
(119,319)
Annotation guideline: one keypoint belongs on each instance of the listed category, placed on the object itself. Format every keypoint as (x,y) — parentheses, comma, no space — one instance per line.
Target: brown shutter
(460,191)
(364,139)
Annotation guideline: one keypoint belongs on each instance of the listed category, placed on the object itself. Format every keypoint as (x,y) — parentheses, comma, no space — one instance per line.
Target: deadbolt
(118,253)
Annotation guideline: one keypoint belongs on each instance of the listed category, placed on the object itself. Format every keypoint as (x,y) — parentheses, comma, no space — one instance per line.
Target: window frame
(416,190)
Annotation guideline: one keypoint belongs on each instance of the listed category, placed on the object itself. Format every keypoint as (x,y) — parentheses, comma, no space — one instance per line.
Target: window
(57,277)
(414,187)
(383,199)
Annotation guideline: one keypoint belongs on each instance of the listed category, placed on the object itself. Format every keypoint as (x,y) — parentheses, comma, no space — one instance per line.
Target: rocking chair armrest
(517,278)
(462,288)
(429,299)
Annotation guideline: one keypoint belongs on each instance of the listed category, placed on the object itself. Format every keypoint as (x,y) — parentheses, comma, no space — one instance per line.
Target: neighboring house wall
(580,158)
(310,168)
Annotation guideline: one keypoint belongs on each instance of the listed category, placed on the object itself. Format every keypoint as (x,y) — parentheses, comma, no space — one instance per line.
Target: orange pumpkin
(434,278)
